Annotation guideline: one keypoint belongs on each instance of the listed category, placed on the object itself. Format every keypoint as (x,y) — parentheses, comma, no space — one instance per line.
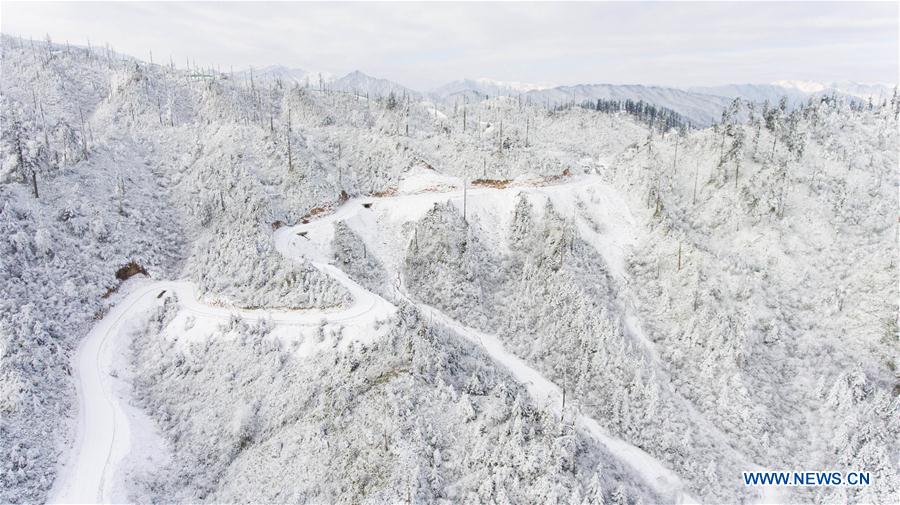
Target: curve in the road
(103,432)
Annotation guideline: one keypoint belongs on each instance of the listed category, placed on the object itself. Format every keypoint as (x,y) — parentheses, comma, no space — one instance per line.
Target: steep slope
(757,237)
(414,417)
(758,93)
(702,110)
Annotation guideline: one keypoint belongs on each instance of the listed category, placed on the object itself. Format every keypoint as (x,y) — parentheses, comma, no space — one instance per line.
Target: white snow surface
(104,436)
(722,297)
(109,429)
(489,203)
(550,396)
(106,422)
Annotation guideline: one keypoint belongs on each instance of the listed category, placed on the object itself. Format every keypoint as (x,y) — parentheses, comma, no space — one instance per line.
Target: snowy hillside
(701,105)
(759,93)
(359,83)
(222,290)
(289,76)
(485,88)
(877,92)
(700,109)
(798,93)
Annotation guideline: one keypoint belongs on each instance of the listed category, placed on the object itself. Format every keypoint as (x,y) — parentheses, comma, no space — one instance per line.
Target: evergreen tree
(594,493)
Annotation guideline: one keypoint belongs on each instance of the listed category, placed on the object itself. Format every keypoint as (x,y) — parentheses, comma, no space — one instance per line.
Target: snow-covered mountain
(485,87)
(865,91)
(358,82)
(223,294)
(797,92)
(758,93)
(700,105)
(699,109)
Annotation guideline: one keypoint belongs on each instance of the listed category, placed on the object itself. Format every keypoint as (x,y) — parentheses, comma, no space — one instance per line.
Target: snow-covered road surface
(102,437)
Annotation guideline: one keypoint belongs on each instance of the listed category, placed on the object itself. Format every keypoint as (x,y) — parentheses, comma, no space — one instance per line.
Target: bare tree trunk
(679,256)
(83,134)
(696,175)
(290,156)
(34,182)
(526,131)
(465,117)
(464,200)
(121,190)
(722,150)
(675,160)
(658,203)
(44,124)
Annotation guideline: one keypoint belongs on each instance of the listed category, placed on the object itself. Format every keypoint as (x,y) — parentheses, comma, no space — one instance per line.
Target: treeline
(655,116)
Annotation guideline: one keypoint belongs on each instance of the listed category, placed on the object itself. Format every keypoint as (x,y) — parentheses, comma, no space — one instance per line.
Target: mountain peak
(487,86)
(357,81)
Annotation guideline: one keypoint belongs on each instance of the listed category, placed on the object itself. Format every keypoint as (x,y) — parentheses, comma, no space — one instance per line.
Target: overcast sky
(426,44)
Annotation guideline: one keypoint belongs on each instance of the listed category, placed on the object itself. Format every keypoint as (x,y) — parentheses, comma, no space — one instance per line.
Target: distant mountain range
(875,91)
(797,92)
(754,93)
(699,109)
(358,82)
(700,105)
(484,87)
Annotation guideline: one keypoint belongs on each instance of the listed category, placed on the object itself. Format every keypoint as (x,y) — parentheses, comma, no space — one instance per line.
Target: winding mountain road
(103,435)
